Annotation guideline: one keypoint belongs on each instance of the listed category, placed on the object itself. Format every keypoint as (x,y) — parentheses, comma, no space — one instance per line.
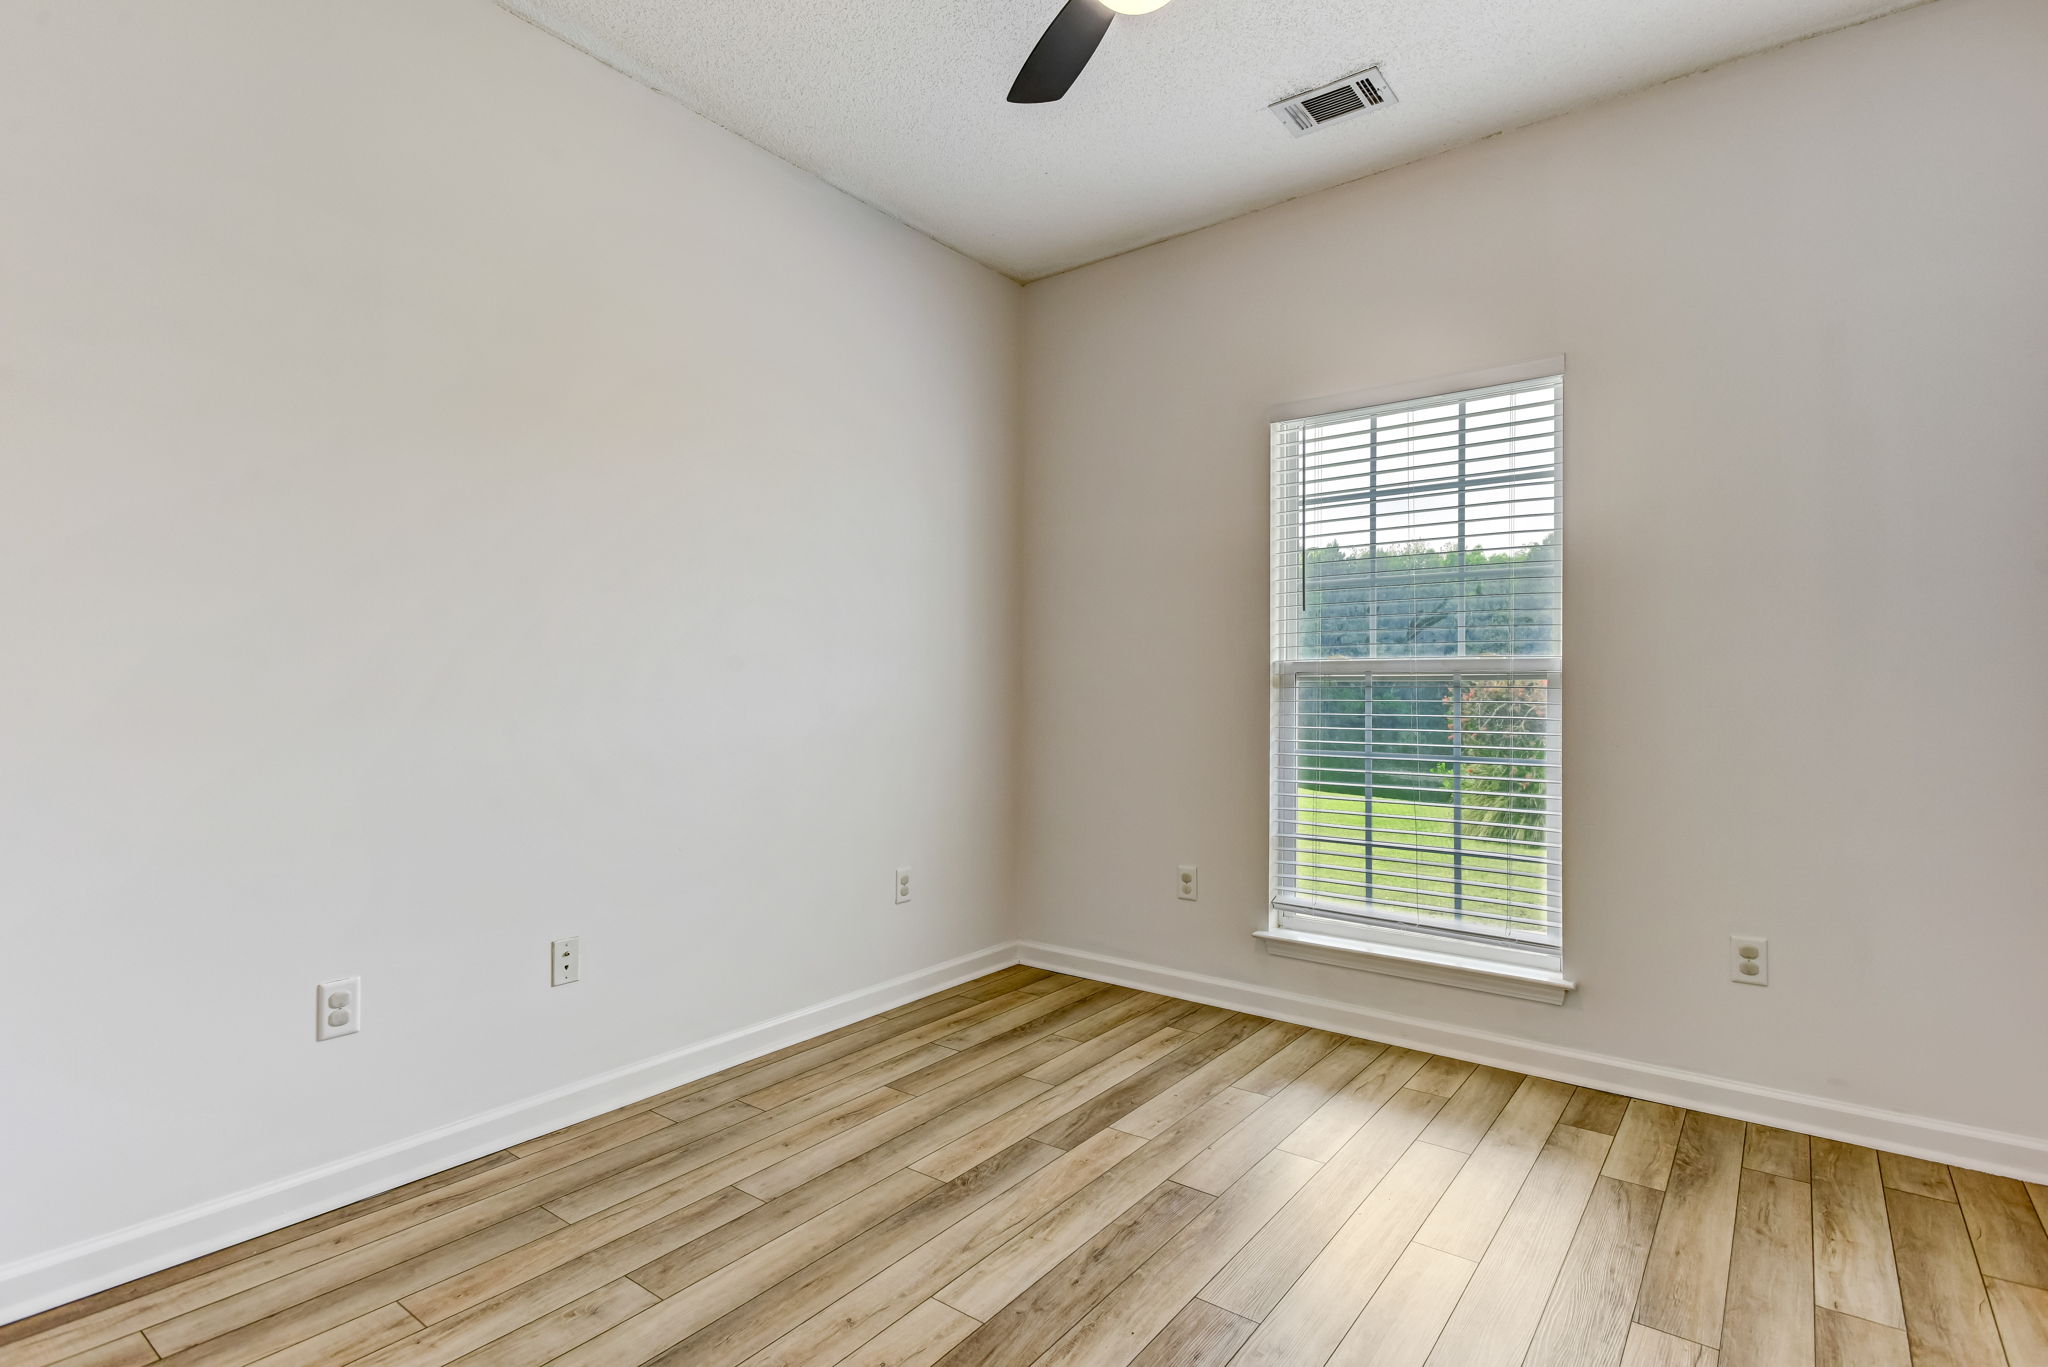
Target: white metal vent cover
(1356,94)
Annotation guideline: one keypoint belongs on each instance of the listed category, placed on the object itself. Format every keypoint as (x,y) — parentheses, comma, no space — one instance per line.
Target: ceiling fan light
(1134,6)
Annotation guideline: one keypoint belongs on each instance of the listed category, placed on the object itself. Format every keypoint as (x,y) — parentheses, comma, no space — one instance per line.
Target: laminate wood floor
(1038,1169)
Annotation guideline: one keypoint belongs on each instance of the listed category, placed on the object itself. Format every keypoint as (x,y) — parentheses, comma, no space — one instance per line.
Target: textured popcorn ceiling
(900,102)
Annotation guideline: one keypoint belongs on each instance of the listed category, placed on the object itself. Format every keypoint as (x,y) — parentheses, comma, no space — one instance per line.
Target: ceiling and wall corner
(901,105)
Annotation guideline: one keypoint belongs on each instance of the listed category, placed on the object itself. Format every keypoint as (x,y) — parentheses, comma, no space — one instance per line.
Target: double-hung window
(1417,592)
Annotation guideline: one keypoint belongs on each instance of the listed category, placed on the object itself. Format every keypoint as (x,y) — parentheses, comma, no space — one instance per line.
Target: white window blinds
(1416,629)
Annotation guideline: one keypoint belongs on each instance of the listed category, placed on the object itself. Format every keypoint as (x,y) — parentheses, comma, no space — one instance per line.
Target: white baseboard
(2013,1155)
(79,1269)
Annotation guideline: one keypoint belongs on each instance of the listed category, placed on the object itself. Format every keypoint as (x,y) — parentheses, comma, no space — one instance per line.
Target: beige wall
(1804,300)
(452,498)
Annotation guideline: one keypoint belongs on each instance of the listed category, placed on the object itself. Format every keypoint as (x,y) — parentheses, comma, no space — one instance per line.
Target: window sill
(1430,966)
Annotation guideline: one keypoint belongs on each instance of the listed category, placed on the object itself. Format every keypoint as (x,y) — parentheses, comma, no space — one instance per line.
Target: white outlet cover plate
(1190,889)
(1740,962)
(338,1008)
(903,885)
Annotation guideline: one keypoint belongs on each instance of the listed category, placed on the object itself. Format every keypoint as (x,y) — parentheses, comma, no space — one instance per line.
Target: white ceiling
(900,102)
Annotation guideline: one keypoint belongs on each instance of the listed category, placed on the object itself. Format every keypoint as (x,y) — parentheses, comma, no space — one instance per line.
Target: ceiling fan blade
(1069,41)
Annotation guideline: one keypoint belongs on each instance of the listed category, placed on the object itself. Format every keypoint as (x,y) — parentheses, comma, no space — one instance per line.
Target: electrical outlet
(1749,960)
(565,961)
(338,1008)
(1190,888)
(903,885)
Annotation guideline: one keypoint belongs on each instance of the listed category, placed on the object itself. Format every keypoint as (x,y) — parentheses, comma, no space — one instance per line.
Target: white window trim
(1422,957)
(1535,974)
(1415,389)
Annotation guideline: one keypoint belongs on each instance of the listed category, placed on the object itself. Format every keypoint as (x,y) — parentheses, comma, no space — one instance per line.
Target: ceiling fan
(1067,44)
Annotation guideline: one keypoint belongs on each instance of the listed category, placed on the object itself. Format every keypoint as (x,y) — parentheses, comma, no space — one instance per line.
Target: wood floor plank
(1853,1269)
(1782,1152)
(1253,1282)
(1051,982)
(1225,1070)
(699,1259)
(689,1263)
(1036,1008)
(296,1322)
(1197,1018)
(960,1063)
(513,1187)
(767,1140)
(1496,1319)
(57,1317)
(747,1328)
(601,1122)
(298,1288)
(1002,981)
(1600,1112)
(1129,1007)
(2004,1228)
(1088,1053)
(672,1320)
(1916,1175)
(919,1339)
(993,1089)
(894,1290)
(885,1056)
(1464,1222)
(1042,1032)
(1300,1054)
(1402,1322)
(1045,1310)
(1333,1124)
(878,1065)
(1201,1335)
(1845,1341)
(1215,1168)
(446,1340)
(1768,1315)
(1002,1275)
(548,1337)
(1685,1281)
(746,1148)
(1018,1122)
(846,1047)
(1472,1109)
(1645,1144)
(1187,1057)
(682,1262)
(1312,1317)
(1649,1347)
(1442,1076)
(1118,1329)
(2022,1316)
(132,1351)
(347,1341)
(557,1268)
(1948,1314)
(841,1086)
(1587,1319)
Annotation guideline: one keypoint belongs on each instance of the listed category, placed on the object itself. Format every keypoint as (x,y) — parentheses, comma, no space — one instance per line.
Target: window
(1416,647)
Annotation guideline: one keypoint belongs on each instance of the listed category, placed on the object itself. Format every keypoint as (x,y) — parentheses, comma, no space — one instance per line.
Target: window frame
(1528,966)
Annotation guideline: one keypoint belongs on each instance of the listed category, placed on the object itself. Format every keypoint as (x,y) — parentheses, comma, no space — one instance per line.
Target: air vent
(1310,110)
